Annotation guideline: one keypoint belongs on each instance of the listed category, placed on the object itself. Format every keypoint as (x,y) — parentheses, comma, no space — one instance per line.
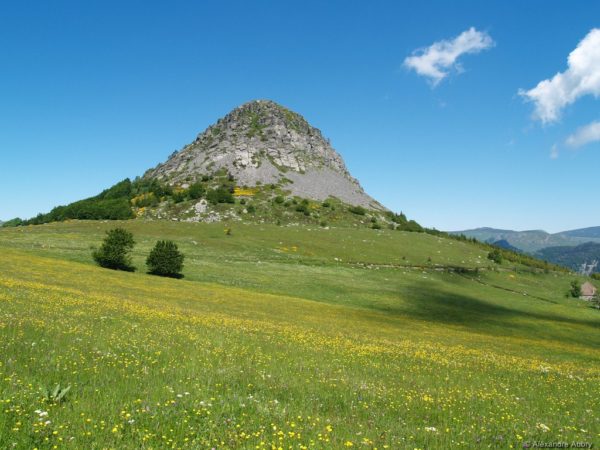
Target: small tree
(575,289)
(115,250)
(165,260)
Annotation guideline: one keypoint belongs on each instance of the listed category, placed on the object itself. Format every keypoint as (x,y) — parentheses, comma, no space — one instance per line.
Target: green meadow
(288,337)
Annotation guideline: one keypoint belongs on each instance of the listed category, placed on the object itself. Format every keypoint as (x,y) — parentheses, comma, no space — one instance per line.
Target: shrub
(251,209)
(412,226)
(575,290)
(179,196)
(358,210)
(495,256)
(279,199)
(115,250)
(196,191)
(165,260)
(219,195)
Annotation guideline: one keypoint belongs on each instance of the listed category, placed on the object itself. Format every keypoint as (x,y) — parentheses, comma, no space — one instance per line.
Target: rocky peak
(264,142)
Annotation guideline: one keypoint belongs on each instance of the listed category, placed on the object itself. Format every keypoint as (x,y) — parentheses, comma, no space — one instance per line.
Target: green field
(288,337)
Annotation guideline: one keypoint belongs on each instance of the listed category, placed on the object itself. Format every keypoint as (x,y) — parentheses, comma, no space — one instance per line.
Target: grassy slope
(277,342)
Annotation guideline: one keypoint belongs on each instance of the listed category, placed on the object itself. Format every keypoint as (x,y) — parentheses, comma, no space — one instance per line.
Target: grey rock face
(263,142)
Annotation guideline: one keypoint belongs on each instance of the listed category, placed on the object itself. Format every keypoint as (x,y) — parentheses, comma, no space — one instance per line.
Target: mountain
(531,241)
(582,258)
(260,163)
(263,143)
(585,233)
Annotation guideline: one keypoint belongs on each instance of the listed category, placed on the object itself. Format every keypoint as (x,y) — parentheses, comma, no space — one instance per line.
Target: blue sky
(93,92)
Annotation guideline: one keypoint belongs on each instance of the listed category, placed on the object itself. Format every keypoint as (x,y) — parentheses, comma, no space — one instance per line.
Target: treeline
(117,202)
(111,204)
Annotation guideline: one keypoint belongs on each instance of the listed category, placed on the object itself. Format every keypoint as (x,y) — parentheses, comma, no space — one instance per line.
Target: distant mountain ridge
(584,258)
(579,250)
(532,241)
(586,233)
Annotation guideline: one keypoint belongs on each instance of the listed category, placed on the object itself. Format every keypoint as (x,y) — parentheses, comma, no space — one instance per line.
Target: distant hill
(531,241)
(585,233)
(506,245)
(584,258)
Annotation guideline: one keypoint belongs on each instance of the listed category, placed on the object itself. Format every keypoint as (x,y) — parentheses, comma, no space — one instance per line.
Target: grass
(288,337)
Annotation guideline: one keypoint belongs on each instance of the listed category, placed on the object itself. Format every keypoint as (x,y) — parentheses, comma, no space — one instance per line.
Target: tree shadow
(428,302)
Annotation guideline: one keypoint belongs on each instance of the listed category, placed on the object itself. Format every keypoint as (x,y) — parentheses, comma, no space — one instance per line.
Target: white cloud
(582,77)
(584,135)
(438,59)
(554,152)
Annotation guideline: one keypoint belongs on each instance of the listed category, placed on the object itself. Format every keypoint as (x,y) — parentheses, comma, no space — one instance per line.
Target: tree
(115,250)
(575,289)
(165,260)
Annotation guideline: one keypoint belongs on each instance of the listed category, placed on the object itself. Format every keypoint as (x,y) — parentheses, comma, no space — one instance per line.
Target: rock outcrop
(262,142)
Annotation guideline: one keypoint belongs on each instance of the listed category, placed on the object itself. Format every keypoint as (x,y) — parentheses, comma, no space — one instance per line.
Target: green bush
(196,191)
(358,210)
(279,199)
(251,209)
(220,195)
(115,252)
(495,256)
(575,290)
(412,226)
(165,260)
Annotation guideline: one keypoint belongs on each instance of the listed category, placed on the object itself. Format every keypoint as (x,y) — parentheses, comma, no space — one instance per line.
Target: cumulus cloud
(584,135)
(436,61)
(582,77)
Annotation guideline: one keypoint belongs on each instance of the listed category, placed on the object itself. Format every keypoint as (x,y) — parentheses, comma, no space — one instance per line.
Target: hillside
(582,258)
(289,336)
